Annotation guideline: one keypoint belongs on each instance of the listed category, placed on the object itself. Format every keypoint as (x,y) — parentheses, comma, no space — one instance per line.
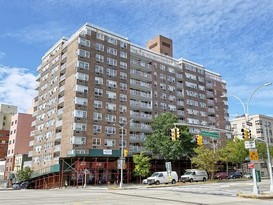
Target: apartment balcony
(211,110)
(180,94)
(136,127)
(137,138)
(30,153)
(210,94)
(180,103)
(62,78)
(140,106)
(59,123)
(179,76)
(211,103)
(31,143)
(33,123)
(61,100)
(32,133)
(141,75)
(144,66)
(136,149)
(138,95)
(141,86)
(60,111)
(179,85)
(61,89)
(63,69)
(64,57)
(58,137)
(57,148)
(209,86)
(180,113)
(141,116)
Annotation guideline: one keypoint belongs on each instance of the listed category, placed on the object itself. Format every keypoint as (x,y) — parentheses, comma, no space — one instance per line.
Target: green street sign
(210,134)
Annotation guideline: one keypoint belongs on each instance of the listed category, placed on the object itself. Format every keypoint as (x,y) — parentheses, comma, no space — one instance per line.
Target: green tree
(24,174)
(142,165)
(159,142)
(206,159)
(262,152)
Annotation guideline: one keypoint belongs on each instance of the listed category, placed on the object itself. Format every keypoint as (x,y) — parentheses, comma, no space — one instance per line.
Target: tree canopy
(24,174)
(159,141)
(142,165)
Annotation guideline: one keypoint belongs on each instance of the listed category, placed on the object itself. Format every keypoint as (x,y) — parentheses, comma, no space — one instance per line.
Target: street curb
(256,196)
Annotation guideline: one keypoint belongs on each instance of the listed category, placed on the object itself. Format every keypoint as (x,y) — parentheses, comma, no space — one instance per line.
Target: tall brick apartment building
(96,81)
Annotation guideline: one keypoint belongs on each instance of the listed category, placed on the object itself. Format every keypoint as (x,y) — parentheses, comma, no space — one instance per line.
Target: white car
(145,181)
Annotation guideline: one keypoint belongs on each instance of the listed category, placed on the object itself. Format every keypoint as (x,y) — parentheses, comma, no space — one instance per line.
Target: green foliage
(142,165)
(205,159)
(24,174)
(234,151)
(262,150)
(159,142)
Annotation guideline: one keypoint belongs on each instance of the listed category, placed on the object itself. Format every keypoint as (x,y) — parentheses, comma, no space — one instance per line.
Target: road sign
(253,154)
(210,134)
(250,144)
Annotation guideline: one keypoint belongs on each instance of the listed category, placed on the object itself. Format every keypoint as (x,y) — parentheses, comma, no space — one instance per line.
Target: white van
(192,175)
(162,178)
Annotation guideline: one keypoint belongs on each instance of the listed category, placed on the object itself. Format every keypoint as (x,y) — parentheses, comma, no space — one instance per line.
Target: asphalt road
(185,194)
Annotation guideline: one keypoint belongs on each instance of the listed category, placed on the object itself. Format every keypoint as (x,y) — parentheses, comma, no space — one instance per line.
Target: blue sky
(232,38)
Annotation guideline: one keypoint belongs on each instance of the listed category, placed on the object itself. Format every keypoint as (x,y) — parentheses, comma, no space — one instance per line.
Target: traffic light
(125,152)
(177,133)
(173,134)
(199,140)
(249,134)
(243,133)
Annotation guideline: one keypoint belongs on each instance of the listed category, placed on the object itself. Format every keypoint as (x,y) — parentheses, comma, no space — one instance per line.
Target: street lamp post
(246,113)
(121,154)
(269,159)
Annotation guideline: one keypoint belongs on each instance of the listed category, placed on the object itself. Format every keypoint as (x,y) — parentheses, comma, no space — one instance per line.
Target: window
(81,88)
(123,75)
(80,113)
(112,61)
(97,104)
(97,129)
(98,92)
(98,69)
(84,42)
(99,47)
(112,40)
(96,142)
(99,36)
(122,108)
(109,142)
(123,65)
(110,118)
(123,44)
(98,80)
(112,51)
(123,86)
(111,83)
(81,101)
(123,97)
(111,95)
(79,126)
(111,72)
(97,116)
(110,130)
(111,106)
(99,58)
(123,54)
(83,53)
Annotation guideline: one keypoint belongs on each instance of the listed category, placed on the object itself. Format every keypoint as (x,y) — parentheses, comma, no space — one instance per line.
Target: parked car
(16,185)
(221,175)
(235,175)
(145,181)
(162,178)
(192,175)
(248,175)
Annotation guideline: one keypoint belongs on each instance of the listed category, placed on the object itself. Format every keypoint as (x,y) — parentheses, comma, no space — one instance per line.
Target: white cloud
(17,87)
